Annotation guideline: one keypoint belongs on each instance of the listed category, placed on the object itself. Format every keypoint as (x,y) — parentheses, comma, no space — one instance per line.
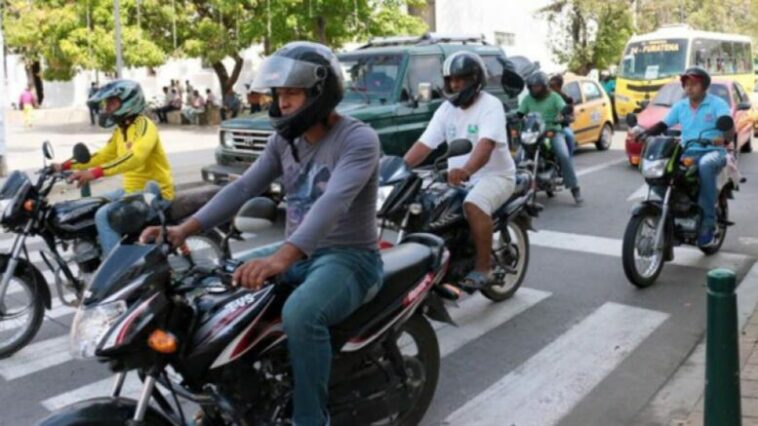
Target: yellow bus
(654,59)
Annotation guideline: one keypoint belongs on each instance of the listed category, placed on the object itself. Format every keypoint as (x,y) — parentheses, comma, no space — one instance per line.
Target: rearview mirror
(631,120)
(47,150)
(744,106)
(81,153)
(424,92)
(459,147)
(724,123)
(256,215)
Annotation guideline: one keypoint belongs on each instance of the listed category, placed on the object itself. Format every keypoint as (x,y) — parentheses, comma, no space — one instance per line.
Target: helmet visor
(280,71)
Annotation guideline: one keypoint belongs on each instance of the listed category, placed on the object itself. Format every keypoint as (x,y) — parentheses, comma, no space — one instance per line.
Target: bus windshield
(655,59)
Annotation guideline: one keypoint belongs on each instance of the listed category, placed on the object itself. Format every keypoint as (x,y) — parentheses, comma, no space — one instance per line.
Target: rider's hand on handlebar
(254,273)
(81,177)
(638,132)
(151,234)
(456,177)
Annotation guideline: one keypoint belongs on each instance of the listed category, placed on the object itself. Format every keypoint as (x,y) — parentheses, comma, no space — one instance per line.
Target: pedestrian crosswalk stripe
(550,383)
(36,357)
(683,256)
(478,315)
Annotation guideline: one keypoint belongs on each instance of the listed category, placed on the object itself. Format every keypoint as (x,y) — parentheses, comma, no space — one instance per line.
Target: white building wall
(508,16)
(60,94)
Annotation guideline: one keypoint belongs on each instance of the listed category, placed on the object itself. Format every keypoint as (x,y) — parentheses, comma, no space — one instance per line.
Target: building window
(505,39)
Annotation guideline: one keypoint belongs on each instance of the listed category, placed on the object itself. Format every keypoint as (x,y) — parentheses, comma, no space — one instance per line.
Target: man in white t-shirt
(470,113)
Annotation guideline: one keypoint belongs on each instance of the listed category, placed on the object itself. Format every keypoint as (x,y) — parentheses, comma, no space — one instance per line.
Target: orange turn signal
(162,341)
(688,161)
(29,205)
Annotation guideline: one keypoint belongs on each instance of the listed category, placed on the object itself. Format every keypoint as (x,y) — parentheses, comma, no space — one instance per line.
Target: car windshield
(668,95)
(671,93)
(370,77)
(651,60)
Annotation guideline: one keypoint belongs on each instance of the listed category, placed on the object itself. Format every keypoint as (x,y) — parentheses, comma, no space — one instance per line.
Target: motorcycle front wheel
(510,260)
(21,313)
(642,261)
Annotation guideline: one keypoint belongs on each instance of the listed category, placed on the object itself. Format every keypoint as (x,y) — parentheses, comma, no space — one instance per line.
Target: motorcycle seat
(404,266)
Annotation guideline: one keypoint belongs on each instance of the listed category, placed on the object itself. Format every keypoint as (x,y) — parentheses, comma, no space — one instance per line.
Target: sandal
(474,281)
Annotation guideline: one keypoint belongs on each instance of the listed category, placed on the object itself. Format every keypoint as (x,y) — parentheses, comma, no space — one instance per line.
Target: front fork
(660,231)
(10,269)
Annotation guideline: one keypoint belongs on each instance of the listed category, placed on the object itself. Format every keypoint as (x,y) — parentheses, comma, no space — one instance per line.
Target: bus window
(743,54)
(651,60)
(718,57)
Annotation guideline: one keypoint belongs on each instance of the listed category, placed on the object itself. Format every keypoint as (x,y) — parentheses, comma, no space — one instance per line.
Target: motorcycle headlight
(654,169)
(384,193)
(529,138)
(91,325)
(227,138)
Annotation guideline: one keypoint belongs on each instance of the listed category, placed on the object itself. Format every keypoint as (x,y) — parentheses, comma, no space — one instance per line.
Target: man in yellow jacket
(134,151)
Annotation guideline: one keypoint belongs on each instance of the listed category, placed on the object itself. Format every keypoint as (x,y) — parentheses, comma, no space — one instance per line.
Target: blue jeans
(710,165)
(108,237)
(570,139)
(331,285)
(564,158)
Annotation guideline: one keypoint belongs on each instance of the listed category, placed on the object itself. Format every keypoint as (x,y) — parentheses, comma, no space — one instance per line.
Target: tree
(588,33)
(70,36)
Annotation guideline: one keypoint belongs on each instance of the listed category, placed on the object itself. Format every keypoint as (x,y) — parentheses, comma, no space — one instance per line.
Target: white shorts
(491,192)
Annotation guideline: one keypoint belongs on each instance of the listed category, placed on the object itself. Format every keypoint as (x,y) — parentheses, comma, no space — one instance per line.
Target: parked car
(593,111)
(394,84)
(754,100)
(730,91)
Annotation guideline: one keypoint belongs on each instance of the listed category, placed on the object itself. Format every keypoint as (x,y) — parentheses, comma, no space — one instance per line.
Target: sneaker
(576,192)
(706,239)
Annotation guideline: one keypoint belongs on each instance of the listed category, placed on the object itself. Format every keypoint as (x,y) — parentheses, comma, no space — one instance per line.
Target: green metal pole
(85,190)
(722,353)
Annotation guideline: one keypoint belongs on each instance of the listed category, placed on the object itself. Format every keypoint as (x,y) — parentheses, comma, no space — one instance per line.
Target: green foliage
(588,33)
(58,30)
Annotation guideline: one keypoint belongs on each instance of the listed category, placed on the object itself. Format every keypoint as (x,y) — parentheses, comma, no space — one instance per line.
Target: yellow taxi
(593,113)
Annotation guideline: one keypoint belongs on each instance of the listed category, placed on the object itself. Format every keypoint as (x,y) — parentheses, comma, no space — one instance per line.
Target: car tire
(606,138)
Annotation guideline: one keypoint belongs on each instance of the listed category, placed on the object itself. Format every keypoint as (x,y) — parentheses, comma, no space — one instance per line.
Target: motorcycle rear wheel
(631,245)
(519,245)
(22,298)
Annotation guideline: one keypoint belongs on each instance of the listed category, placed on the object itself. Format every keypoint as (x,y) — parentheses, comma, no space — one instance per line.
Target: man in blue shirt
(697,115)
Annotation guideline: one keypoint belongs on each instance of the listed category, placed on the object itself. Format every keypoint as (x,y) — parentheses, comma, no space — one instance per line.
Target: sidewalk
(748,379)
(680,401)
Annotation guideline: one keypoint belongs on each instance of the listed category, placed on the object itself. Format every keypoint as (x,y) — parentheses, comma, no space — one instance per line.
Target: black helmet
(303,65)
(132,101)
(536,79)
(464,64)
(698,73)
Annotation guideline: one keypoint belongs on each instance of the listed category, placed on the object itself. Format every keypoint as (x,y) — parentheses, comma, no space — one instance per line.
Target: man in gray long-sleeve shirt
(329,166)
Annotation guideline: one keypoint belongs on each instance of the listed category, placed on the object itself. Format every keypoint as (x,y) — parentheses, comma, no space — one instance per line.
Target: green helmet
(132,101)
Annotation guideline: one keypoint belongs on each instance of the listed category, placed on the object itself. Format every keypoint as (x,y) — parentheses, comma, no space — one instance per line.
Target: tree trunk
(37,78)
(321,30)
(226,81)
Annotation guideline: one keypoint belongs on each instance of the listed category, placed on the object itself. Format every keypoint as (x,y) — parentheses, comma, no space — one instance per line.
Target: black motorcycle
(194,337)
(536,152)
(413,201)
(658,225)
(70,236)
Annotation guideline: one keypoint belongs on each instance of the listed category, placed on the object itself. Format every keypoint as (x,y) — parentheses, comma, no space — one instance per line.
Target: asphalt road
(577,345)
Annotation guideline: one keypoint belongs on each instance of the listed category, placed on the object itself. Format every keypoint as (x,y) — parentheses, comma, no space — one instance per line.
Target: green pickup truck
(393,84)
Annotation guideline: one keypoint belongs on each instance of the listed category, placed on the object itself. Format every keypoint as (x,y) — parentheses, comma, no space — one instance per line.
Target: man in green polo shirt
(549,105)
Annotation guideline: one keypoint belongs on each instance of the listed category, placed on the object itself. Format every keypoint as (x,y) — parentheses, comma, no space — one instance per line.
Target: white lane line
(549,384)
(58,310)
(132,388)
(35,357)
(601,166)
(683,256)
(639,194)
(476,316)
